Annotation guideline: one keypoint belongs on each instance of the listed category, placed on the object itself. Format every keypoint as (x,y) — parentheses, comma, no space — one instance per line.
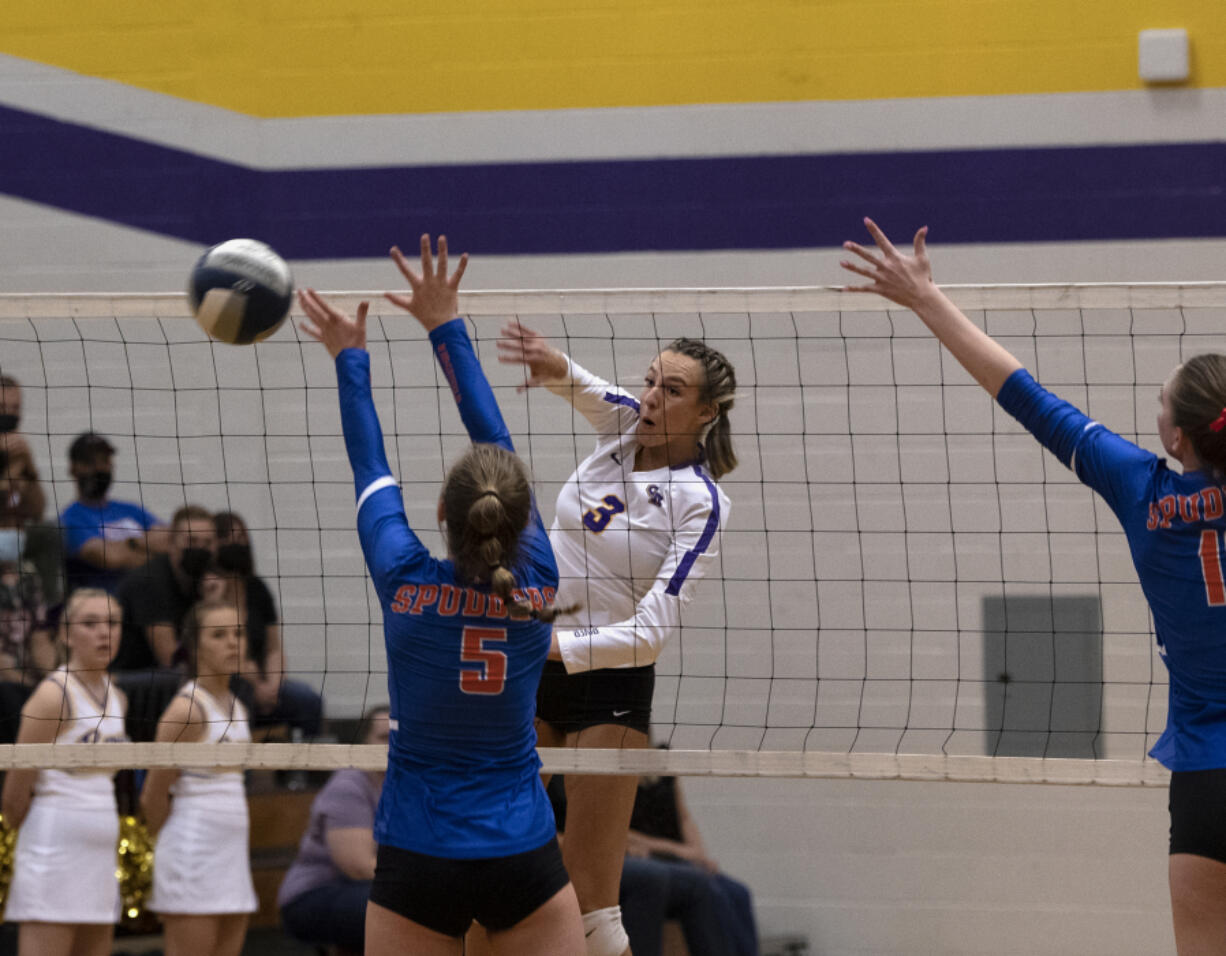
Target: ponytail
(718,389)
(1198,403)
(717,446)
(487,501)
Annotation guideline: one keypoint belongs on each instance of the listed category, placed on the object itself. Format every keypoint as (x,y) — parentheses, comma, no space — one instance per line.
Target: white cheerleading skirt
(65,866)
(201,864)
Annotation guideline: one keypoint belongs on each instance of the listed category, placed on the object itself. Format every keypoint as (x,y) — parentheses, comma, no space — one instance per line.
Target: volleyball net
(909,585)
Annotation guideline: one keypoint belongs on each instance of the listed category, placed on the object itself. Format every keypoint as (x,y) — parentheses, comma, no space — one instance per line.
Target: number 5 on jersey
(489,677)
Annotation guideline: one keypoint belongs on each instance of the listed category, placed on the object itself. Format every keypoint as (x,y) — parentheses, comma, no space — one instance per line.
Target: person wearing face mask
(271,698)
(155,598)
(103,539)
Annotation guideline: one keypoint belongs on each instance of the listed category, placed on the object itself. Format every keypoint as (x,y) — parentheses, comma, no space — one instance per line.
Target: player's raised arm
(434,302)
(388,542)
(609,409)
(345,340)
(907,280)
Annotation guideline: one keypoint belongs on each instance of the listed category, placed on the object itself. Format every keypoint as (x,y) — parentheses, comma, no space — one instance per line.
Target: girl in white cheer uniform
(65,892)
(201,869)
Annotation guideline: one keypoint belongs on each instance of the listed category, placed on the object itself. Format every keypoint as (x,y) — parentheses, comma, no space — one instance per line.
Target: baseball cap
(87,446)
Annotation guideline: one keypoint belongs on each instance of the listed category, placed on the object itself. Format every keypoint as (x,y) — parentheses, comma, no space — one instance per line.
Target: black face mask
(94,484)
(235,557)
(9,423)
(195,561)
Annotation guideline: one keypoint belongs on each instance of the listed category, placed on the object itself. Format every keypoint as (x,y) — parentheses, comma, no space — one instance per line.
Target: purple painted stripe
(704,540)
(1041,194)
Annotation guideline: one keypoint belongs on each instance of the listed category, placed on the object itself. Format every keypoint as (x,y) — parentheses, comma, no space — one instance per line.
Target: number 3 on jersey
(597,519)
(490,675)
(1211,566)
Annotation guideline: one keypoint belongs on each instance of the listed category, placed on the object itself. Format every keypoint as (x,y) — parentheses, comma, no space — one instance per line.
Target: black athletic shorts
(616,695)
(447,895)
(1198,813)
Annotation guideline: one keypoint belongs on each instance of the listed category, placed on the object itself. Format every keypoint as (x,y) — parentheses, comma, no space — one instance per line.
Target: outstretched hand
(434,297)
(520,345)
(330,325)
(893,275)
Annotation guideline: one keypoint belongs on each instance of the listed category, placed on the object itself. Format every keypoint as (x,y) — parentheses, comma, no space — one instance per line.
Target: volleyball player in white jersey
(65,892)
(636,526)
(202,884)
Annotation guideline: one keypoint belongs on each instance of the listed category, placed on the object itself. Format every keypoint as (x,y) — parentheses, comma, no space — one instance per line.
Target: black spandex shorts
(447,895)
(616,695)
(1198,813)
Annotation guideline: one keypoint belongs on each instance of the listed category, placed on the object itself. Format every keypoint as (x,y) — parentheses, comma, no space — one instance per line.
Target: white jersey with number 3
(630,545)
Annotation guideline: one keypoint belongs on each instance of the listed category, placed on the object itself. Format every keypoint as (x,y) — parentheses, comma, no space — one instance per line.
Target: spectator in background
(27,650)
(668,874)
(156,596)
(21,496)
(323,897)
(155,599)
(271,698)
(103,539)
(27,646)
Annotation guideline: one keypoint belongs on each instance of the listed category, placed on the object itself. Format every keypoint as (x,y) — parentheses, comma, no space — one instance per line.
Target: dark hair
(718,389)
(487,503)
(368,720)
(1198,400)
(189,629)
(190,513)
(87,446)
(7,381)
(224,523)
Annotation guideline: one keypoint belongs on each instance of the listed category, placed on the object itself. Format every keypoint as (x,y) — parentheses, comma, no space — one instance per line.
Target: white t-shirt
(630,545)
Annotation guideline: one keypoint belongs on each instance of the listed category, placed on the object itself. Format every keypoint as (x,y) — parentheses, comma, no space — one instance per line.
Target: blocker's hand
(434,300)
(520,345)
(893,275)
(331,326)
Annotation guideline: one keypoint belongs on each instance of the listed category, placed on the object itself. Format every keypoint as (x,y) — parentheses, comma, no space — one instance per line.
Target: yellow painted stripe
(281,58)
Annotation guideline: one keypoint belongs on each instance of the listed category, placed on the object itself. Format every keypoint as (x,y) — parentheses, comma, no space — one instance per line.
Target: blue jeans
(297,705)
(330,915)
(715,911)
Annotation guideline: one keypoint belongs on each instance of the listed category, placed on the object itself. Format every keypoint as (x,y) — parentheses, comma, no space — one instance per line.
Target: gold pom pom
(135,868)
(8,848)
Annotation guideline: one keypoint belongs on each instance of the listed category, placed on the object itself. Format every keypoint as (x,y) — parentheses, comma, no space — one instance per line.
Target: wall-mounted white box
(1163,56)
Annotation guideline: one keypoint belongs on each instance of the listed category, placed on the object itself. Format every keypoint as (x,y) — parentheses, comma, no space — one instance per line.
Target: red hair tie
(1220,423)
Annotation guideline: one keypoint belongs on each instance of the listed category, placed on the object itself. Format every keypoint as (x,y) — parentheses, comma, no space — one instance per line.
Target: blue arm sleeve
(360,422)
(389,544)
(482,418)
(473,396)
(1111,465)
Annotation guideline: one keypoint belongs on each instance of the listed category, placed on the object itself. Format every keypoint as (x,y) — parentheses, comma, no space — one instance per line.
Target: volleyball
(240,291)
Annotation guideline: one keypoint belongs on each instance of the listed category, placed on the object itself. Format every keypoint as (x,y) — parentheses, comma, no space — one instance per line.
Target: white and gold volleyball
(240,291)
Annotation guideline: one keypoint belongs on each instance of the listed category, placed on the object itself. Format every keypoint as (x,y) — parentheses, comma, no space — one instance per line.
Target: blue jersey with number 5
(1174,524)
(463,778)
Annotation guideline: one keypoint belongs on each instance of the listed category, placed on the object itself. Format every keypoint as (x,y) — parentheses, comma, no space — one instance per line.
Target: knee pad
(604,932)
